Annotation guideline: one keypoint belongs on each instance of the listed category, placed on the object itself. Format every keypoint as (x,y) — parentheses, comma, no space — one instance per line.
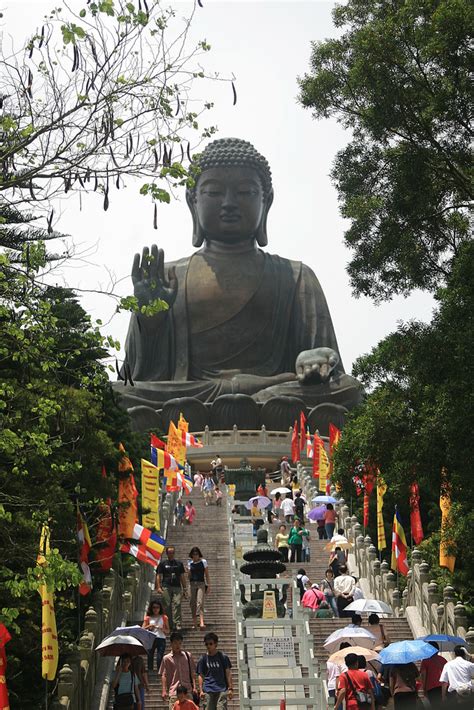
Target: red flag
(85,545)
(368,479)
(302,431)
(106,538)
(399,546)
(4,639)
(366,509)
(156,443)
(295,449)
(334,437)
(104,472)
(415,517)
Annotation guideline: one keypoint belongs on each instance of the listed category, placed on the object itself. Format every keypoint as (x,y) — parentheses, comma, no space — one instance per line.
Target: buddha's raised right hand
(148,276)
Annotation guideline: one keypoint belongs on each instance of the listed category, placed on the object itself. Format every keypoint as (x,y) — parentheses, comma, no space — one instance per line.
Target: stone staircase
(211,534)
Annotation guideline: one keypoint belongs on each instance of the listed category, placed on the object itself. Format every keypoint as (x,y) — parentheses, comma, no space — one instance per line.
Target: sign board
(231,490)
(269,610)
(278,647)
(243,530)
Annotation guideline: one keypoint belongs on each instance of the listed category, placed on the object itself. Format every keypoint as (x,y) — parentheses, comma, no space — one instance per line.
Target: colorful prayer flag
(381,490)
(4,639)
(190,440)
(295,449)
(139,552)
(309,446)
(106,537)
(399,546)
(184,482)
(174,444)
(302,431)
(127,495)
(320,462)
(415,516)
(49,634)
(150,495)
(149,545)
(445,558)
(85,545)
(182,423)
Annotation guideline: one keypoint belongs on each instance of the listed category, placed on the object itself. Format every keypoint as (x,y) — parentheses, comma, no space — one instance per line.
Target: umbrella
(340,656)
(116,645)
(146,638)
(444,641)
(354,635)
(324,499)
(259,501)
(406,652)
(343,544)
(369,606)
(317,513)
(281,490)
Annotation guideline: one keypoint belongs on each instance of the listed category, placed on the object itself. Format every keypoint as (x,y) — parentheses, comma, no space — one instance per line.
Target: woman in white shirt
(156,621)
(288,508)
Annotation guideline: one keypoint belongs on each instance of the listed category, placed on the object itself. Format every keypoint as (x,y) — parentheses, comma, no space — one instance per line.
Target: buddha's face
(230,203)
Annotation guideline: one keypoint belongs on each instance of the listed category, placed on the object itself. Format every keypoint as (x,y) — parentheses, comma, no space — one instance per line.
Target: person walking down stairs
(171,584)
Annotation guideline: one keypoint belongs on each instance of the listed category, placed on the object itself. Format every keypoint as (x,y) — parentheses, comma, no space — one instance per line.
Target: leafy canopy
(398,79)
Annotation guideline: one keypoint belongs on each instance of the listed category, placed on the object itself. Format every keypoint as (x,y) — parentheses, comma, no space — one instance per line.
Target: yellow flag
(320,462)
(49,635)
(381,490)
(174,444)
(150,495)
(445,559)
(182,423)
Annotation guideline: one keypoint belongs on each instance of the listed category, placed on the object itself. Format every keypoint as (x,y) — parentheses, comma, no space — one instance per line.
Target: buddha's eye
(213,193)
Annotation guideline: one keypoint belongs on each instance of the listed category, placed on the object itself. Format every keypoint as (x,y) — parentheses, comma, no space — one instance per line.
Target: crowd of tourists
(353,682)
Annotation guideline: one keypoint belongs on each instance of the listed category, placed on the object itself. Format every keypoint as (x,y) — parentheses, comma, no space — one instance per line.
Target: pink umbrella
(317,513)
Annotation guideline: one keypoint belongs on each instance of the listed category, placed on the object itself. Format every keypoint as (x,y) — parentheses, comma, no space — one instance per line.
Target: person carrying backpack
(354,687)
(215,676)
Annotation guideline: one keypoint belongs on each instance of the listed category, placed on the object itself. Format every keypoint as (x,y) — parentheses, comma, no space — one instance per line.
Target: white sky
(266,45)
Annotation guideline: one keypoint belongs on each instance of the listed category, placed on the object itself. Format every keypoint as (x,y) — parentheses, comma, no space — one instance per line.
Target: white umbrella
(117,645)
(146,638)
(370,606)
(281,490)
(354,635)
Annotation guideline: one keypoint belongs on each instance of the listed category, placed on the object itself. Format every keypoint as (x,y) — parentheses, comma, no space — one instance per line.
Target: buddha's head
(232,195)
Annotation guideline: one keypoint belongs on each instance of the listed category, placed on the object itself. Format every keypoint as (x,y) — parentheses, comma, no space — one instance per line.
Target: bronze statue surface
(240,320)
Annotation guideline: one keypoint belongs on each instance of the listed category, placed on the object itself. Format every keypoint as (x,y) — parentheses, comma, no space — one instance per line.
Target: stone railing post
(263,435)
(470,640)
(205,437)
(66,683)
(235,434)
(460,619)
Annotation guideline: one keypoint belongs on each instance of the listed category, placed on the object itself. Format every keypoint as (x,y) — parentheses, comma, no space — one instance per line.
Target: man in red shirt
(430,673)
(352,682)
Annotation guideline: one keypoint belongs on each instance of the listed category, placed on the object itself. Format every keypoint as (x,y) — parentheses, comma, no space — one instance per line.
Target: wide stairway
(211,534)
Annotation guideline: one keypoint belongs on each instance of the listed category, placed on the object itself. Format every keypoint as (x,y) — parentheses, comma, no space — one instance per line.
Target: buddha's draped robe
(237,325)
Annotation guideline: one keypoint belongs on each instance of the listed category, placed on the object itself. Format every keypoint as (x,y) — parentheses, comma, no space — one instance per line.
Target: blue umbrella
(445,641)
(406,652)
(324,499)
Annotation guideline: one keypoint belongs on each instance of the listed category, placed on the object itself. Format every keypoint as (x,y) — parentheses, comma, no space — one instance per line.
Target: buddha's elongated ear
(261,235)
(198,236)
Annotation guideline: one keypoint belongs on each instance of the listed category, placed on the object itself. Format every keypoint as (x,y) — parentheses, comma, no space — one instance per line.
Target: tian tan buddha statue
(240,321)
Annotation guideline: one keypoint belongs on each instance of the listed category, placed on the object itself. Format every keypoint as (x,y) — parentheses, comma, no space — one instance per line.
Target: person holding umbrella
(431,669)
(125,685)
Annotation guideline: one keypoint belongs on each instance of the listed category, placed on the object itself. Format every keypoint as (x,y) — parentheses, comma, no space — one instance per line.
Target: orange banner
(127,496)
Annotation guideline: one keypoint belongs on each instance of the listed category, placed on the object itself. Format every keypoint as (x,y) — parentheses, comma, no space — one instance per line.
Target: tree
(418,417)
(398,78)
(95,96)
(59,421)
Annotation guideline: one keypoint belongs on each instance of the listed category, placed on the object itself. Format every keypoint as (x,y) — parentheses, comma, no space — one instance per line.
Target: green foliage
(59,422)
(418,416)
(398,77)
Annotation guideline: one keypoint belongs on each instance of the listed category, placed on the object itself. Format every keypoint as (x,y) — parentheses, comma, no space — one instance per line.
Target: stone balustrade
(428,608)
(122,598)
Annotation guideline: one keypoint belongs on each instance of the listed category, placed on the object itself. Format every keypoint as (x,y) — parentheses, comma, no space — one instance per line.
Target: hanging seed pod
(200,3)
(159,153)
(41,38)
(188,152)
(117,370)
(50,222)
(129,374)
(155,217)
(178,104)
(30,83)
(117,182)
(87,176)
(131,143)
(155,155)
(139,5)
(182,152)
(78,177)
(146,9)
(96,183)
(30,53)
(234,93)
(113,157)
(31,191)
(106,201)
(75,62)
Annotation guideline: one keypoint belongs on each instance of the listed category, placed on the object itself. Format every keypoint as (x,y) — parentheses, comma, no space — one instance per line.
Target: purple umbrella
(317,513)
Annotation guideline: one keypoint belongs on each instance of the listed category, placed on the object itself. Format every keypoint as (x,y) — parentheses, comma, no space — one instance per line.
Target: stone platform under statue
(246,338)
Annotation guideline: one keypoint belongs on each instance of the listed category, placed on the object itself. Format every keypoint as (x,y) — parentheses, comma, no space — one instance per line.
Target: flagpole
(46,693)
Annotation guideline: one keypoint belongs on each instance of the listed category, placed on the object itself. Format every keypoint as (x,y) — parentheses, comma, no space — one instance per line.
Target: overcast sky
(266,45)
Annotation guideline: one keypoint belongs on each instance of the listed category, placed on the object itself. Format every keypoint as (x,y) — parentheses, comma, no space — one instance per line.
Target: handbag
(361,696)
(195,694)
(126,700)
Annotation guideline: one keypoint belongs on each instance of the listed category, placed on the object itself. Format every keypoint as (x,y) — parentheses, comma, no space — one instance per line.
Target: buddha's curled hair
(234,152)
